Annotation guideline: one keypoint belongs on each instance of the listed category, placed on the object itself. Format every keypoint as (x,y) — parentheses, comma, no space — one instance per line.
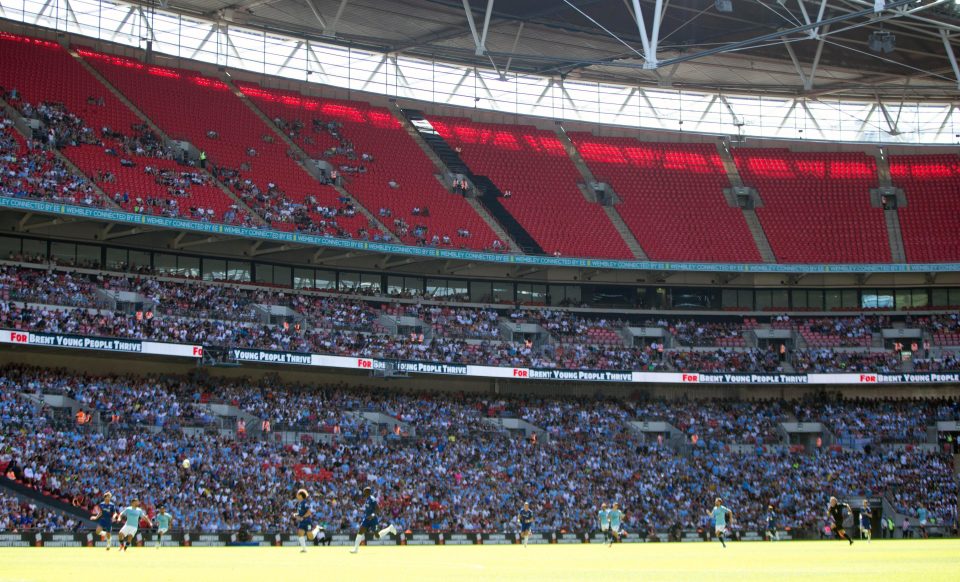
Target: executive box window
(877,299)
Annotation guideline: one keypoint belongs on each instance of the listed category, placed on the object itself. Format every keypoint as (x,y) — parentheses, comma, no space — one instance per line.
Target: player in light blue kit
(133,514)
(525,517)
(603,518)
(720,515)
(922,515)
(615,517)
(164,520)
(304,517)
(370,521)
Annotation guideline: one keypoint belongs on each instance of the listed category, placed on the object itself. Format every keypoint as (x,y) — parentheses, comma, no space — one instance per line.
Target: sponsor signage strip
(398,249)
(53,340)
(82,342)
(147,537)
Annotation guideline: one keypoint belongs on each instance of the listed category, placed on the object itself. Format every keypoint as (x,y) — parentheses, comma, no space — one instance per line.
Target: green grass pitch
(915,560)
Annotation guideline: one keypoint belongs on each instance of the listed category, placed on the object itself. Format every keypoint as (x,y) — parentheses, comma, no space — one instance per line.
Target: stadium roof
(770,46)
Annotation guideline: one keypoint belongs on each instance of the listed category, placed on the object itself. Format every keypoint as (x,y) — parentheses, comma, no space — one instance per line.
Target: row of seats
(395,157)
(534,167)
(221,125)
(42,71)
(931,219)
(671,197)
(816,205)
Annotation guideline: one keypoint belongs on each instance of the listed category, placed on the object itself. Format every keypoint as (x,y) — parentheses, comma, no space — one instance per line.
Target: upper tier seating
(395,156)
(532,164)
(671,197)
(816,205)
(204,111)
(42,71)
(931,219)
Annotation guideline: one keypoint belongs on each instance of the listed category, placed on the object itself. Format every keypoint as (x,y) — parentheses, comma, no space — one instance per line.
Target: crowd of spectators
(17,515)
(708,333)
(719,420)
(28,169)
(228,316)
(726,360)
(854,331)
(822,360)
(888,420)
(459,471)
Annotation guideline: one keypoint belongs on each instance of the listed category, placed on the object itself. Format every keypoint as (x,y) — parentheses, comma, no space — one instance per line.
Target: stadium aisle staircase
(531,164)
(490,194)
(444,170)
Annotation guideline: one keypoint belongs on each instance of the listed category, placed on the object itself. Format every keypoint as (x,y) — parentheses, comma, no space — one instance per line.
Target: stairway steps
(489,194)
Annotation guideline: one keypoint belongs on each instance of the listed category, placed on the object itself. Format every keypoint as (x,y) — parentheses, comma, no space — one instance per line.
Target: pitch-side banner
(82,342)
(53,340)
(622,376)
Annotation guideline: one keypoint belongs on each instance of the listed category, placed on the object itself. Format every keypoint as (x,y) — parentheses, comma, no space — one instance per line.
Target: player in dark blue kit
(104,516)
(772,532)
(370,521)
(304,516)
(526,523)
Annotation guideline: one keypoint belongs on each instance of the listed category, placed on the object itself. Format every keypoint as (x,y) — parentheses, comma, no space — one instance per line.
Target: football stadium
(479,289)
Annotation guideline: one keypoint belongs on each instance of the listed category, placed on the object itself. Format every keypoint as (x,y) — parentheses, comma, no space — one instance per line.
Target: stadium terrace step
(749,214)
(897,251)
(490,194)
(759,236)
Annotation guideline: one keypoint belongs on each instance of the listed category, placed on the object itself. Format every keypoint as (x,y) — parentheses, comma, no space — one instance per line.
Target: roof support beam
(644,37)
(332,29)
(316,13)
(479,39)
(953,58)
(516,39)
(911,13)
(814,32)
(743,44)
(796,62)
(891,122)
(808,85)
(486,27)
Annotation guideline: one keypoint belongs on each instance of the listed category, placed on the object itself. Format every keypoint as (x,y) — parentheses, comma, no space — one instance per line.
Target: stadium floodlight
(723,5)
(882,41)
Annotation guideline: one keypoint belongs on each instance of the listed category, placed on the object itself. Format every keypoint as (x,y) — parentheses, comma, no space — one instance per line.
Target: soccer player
(603,517)
(866,521)
(164,520)
(370,521)
(525,518)
(105,512)
(720,514)
(304,516)
(616,516)
(772,532)
(835,514)
(133,514)
(922,519)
